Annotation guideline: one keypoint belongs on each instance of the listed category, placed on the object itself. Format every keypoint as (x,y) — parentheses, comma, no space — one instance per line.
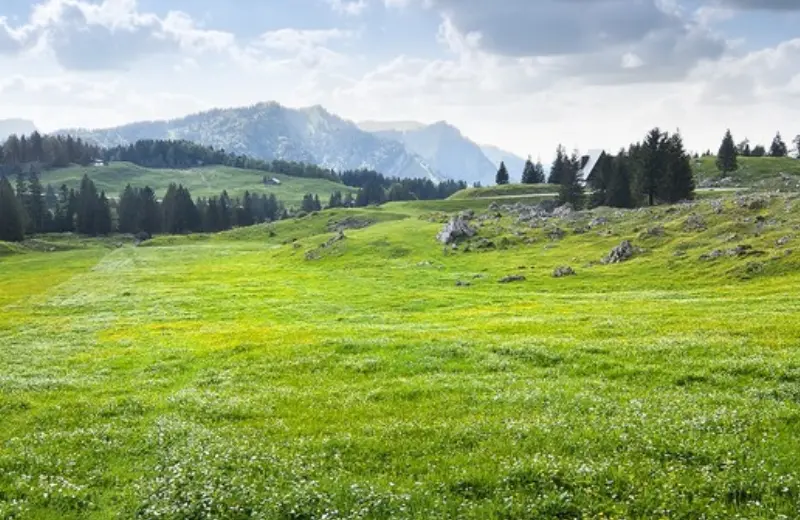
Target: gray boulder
(565,270)
(621,253)
(513,278)
(457,228)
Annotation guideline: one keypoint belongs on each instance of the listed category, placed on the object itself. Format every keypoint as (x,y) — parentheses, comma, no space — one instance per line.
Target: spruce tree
(758,151)
(502,175)
(599,180)
(529,172)
(571,190)
(778,147)
(150,216)
(619,185)
(35,204)
(559,166)
(87,211)
(653,164)
(538,173)
(128,213)
(103,222)
(678,182)
(727,156)
(12,221)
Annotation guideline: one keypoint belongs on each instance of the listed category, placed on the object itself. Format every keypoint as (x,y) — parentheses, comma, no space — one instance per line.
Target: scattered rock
(338,237)
(494,206)
(484,243)
(621,253)
(460,283)
(561,272)
(695,223)
(582,230)
(657,231)
(513,278)
(478,276)
(349,223)
(732,237)
(717,206)
(752,203)
(563,211)
(455,229)
(783,241)
(713,255)
(424,263)
(467,214)
(556,234)
(599,221)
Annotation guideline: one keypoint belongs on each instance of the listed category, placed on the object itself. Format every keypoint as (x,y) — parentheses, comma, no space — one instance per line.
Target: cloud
(109,35)
(348,7)
(763,5)
(595,39)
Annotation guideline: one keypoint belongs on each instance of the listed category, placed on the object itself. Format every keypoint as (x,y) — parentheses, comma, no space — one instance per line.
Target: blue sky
(520,74)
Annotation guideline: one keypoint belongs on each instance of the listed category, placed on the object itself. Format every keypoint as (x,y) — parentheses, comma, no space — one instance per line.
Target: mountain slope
(514,163)
(442,146)
(271,131)
(15,126)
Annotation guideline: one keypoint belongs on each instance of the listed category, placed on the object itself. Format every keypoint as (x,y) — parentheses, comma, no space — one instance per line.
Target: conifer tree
(778,147)
(559,166)
(103,222)
(619,186)
(12,221)
(529,172)
(727,156)
(128,212)
(678,182)
(150,216)
(87,210)
(502,175)
(653,164)
(571,190)
(35,204)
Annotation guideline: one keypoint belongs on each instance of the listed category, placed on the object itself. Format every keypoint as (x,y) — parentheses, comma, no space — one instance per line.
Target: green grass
(233,378)
(756,172)
(506,190)
(202,182)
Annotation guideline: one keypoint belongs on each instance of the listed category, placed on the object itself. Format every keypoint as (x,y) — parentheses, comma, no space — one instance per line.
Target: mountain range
(15,126)
(271,131)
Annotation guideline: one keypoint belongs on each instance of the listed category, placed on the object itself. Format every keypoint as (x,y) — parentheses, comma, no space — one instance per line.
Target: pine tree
(35,203)
(619,186)
(128,212)
(103,222)
(571,190)
(87,210)
(599,180)
(317,203)
(559,166)
(678,182)
(150,212)
(502,175)
(758,151)
(727,156)
(12,222)
(529,172)
(778,147)
(653,164)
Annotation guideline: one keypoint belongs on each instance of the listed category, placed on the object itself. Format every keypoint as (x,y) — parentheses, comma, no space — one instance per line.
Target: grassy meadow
(272,372)
(204,181)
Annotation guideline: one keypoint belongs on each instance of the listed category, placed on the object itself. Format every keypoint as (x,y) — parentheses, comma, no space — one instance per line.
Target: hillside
(202,182)
(288,371)
(270,131)
(754,172)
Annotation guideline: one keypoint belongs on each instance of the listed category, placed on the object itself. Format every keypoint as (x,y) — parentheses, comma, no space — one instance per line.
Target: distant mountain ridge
(9,127)
(271,131)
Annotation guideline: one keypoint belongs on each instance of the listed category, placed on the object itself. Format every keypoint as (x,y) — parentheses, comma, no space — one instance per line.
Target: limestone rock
(455,229)
(565,270)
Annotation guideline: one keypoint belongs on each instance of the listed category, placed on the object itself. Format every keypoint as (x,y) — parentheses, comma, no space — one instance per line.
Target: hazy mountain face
(270,131)
(15,126)
(514,163)
(444,148)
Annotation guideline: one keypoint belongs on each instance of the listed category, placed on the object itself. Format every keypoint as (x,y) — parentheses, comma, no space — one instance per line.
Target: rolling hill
(203,181)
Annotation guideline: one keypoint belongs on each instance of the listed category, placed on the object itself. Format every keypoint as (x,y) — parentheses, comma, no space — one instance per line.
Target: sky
(525,75)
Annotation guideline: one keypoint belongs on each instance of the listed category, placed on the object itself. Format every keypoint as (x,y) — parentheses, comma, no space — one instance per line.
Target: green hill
(202,182)
(506,190)
(288,371)
(753,172)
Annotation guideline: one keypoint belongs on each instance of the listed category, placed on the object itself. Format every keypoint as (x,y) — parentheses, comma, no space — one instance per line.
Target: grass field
(757,172)
(202,182)
(506,190)
(258,374)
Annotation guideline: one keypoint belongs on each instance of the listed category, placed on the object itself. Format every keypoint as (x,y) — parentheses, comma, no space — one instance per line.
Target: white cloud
(348,7)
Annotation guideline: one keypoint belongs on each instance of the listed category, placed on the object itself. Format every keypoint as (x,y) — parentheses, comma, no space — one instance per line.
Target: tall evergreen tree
(12,222)
(727,156)
(758,151)
(678,182)
(600,180)
(560,164)
(103,222)
(502,175)
(619,186)
(150,211)
(35,203)
(778,148)
(653,164)
(128,212)
(571,190)
(87,209)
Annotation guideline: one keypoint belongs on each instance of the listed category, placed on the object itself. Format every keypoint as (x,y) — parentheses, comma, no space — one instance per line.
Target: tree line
(48,151)
(29,209)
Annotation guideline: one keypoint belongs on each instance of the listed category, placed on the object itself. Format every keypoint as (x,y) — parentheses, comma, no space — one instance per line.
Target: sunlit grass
(232,377)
